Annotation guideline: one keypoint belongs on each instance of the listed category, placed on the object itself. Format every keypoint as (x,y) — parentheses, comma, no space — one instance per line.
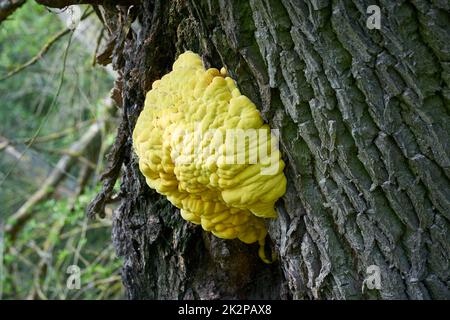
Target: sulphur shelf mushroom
(204,145)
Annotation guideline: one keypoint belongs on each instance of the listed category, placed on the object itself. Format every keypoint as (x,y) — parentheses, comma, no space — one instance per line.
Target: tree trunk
(364,117)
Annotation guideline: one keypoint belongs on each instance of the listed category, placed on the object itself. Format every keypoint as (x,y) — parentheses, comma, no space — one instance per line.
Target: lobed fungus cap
(188,139)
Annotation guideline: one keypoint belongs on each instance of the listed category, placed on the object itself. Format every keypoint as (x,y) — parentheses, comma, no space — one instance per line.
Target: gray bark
(364,117)
(7,7)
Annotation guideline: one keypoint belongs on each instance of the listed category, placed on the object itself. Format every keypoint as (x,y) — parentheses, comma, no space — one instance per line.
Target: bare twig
(39,56)
(43,50)
(97,46)
(45,257)
(96,225)
(54,135)
(69,152)
(24,213)
(50,109)
(83,178)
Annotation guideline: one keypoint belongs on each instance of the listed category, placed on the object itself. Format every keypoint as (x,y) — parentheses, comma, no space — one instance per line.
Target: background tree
(364,117)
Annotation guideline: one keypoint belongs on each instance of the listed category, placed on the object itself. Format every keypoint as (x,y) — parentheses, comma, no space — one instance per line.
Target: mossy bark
(364,117)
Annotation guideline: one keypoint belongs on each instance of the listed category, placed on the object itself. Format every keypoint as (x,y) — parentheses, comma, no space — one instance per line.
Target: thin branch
(69,152)
(24,213)
(43,50)
(39,56)
(50,109)
(43,264)
(104,223)
(97,46)
(54,135)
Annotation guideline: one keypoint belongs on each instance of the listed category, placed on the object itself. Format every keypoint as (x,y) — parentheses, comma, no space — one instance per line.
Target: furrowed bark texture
(364,117)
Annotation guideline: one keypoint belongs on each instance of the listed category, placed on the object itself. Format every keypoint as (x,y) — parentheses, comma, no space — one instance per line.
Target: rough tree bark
(7,7)
(364,117)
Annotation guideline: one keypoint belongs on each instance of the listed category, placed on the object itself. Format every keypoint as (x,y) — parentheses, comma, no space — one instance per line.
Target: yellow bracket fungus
(204,145)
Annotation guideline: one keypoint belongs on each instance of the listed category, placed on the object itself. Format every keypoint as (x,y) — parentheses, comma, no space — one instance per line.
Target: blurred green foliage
(58,234)
(27,96)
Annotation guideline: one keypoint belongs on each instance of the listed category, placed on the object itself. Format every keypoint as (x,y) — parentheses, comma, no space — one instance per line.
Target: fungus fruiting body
(204,145)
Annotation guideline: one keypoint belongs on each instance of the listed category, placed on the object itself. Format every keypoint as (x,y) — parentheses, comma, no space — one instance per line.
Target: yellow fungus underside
(229,200)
